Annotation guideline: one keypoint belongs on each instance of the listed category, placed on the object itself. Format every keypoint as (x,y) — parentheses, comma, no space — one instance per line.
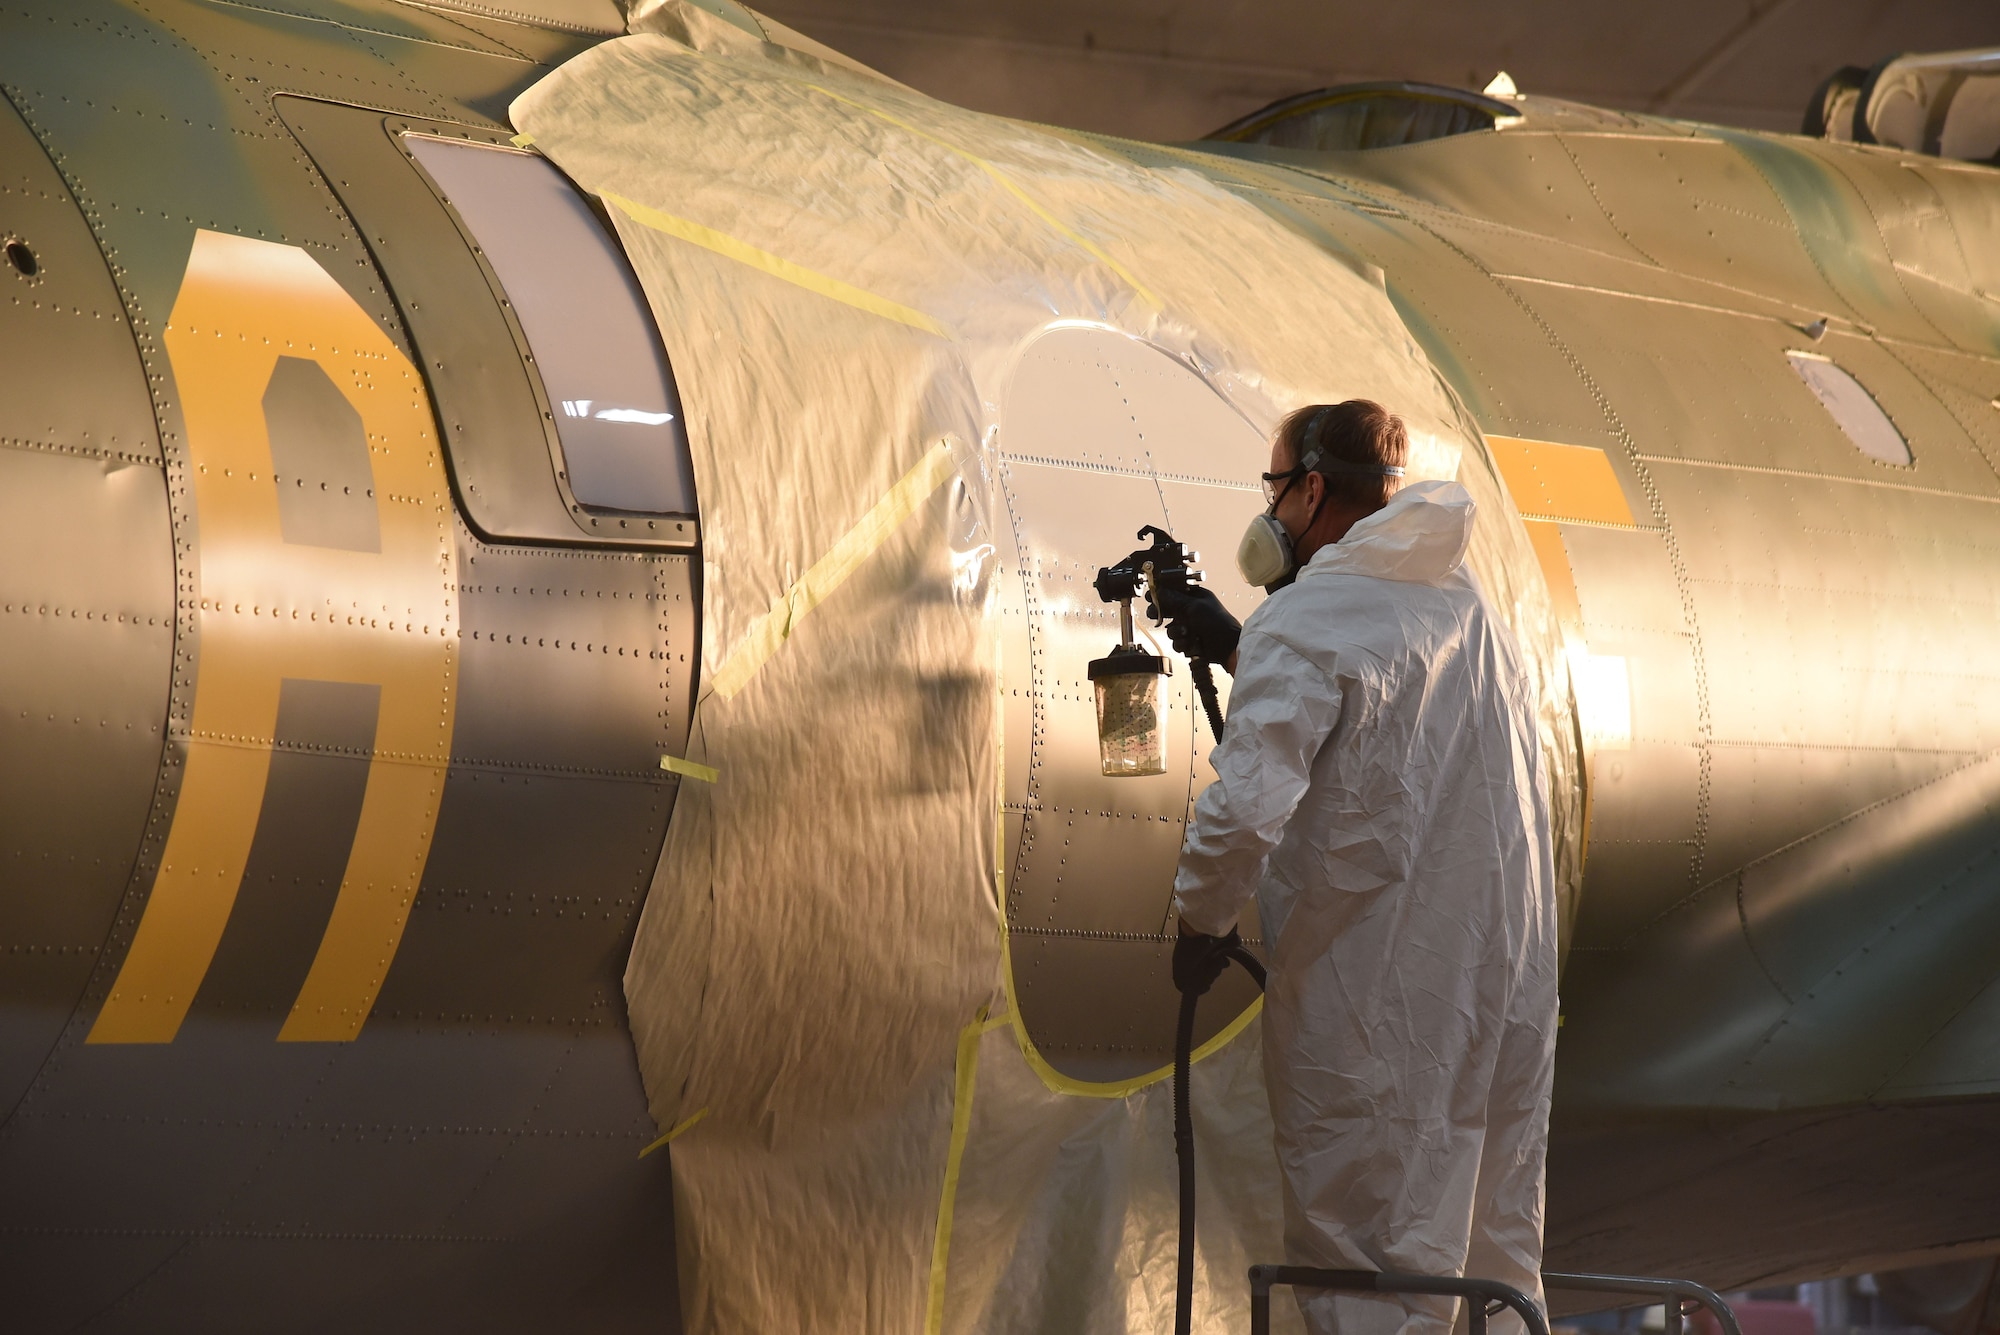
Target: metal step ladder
(1486,1298)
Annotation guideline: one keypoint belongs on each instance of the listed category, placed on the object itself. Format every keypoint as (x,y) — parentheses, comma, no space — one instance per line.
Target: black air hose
(1184,1057)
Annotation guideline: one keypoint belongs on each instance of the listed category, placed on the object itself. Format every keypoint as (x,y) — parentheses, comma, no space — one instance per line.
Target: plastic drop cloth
(1380,791)
(843,272)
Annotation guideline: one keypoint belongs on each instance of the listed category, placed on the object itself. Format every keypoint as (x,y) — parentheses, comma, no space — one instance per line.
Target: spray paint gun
(1131,699)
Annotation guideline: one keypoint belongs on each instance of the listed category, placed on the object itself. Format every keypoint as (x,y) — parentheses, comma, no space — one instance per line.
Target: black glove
(1199,959)
(1197,622)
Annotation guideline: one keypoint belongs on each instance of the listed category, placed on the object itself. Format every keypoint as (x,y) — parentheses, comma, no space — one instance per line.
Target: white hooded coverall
(1380,788)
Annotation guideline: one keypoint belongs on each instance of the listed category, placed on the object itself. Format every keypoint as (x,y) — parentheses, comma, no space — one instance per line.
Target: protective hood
(1419,537)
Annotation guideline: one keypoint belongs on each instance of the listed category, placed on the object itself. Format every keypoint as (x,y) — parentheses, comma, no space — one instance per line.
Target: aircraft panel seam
(271,1234)
(1891,595)
(1817,476)
(1122,470)
(1945,402)
(642,775)
(167,781)
(361,30)
(1656,504)
(1737,873)
(1888,251)
(1796,317)
(1843,748)
(79,451)
(1602,208)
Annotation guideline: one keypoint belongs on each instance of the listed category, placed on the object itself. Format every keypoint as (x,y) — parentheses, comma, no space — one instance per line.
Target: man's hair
(1356,432)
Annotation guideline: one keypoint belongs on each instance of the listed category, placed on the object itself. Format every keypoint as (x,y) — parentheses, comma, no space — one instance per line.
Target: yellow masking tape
(831,571)
(692,769)
(963,1087)
(775,265)
(1112,1089)
(524,141)
(678,1129)
(965,1084)
(1551,481)
(1006,183)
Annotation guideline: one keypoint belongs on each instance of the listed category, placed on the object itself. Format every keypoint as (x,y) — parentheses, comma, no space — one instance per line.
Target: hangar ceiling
(1156,69)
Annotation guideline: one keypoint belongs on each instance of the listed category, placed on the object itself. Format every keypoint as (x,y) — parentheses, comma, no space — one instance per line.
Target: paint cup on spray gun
(1131,709)
(1130,683)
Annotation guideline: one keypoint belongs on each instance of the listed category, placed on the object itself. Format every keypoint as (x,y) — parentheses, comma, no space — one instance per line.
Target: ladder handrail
(1680,1291)
(1682,1295)
(1487,1291)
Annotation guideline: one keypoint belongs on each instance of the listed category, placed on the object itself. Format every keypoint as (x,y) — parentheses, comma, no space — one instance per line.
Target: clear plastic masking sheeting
(848,277)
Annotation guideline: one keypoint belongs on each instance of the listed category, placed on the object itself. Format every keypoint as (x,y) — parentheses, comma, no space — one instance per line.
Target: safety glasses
(1273,491)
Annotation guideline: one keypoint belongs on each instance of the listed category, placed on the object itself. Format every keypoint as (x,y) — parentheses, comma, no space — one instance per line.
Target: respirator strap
(1311,452)
(1340,467)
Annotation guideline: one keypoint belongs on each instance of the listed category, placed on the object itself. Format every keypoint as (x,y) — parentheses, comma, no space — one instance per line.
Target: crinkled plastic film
(844,273)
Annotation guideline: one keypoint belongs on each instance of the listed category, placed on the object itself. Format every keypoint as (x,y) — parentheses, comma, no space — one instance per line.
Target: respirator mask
(1266,556)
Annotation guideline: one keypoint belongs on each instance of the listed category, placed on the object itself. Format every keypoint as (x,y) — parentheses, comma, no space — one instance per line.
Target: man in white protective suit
(1380,790)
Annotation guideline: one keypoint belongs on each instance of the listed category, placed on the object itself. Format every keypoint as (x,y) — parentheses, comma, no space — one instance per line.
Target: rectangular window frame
(601,520)
(361,154)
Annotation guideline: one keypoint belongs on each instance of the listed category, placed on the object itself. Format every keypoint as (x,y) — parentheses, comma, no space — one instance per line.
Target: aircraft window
(611,392)
(1369,115)
(1854,409)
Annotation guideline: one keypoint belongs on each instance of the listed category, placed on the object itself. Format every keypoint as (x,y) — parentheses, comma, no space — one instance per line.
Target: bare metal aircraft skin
(332,785)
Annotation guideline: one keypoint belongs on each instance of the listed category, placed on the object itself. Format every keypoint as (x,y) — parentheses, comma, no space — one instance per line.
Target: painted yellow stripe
(1551,481)
(1545,535)
(1008,184)
(775,265)
(270,610)
(1546,538)
(963,1088)
(679,1128)
(692,769)
(399,809)
(194,891)
(832,570)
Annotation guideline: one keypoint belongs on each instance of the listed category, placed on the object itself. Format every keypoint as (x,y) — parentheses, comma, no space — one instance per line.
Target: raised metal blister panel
(86,606)
(1853,408)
